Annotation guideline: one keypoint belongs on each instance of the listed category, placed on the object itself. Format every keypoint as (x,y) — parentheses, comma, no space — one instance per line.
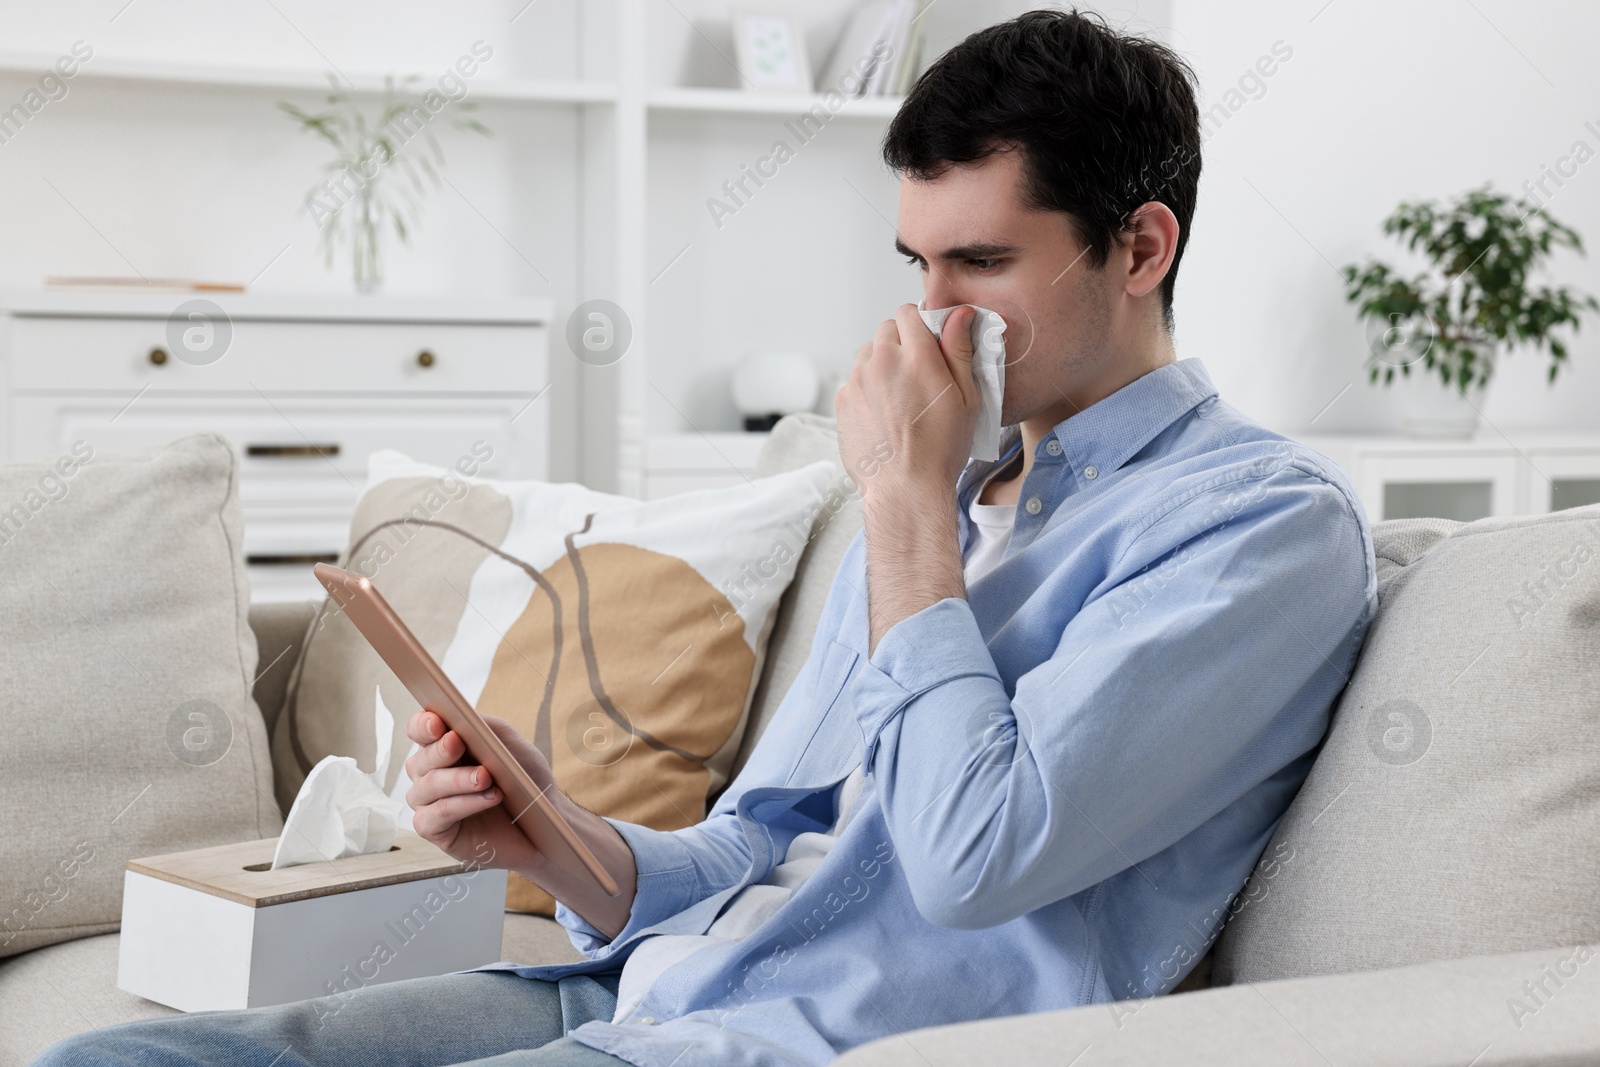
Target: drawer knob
(425,358)
(158,356)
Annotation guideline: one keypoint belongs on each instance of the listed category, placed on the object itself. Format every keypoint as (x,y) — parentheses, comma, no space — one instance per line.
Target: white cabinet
(305,390)
(684,462)
(1530,473)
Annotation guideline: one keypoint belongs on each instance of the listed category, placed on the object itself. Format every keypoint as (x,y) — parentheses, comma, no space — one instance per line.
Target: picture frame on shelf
(771,51)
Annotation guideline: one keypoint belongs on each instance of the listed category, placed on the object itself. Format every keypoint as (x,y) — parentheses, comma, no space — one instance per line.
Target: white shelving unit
(734,102)
(287,79)
(652,460)
(656,107)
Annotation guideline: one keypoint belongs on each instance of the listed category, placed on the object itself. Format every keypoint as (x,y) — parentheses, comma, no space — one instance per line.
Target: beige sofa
(1360,944)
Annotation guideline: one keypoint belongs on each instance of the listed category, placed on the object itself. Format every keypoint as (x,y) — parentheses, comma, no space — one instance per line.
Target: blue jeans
(486,1019)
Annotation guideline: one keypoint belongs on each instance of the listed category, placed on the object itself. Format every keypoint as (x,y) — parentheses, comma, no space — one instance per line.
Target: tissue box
(218,928)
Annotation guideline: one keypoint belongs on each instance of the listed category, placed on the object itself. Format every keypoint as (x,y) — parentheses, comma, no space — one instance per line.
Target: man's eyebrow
(976,250)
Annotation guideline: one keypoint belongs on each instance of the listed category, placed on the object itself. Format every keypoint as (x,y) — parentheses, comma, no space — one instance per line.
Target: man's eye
(983,264)
(915,261)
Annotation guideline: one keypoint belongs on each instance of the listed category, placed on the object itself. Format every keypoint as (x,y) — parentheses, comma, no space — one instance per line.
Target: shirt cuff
(937,645)
(666,881)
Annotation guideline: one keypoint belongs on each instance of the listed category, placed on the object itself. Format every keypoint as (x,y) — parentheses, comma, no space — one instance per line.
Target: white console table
(1524,472)
(304,389)
(683,462)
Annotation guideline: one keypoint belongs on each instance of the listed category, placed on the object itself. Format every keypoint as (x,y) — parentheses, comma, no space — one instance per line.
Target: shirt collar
(1107,434)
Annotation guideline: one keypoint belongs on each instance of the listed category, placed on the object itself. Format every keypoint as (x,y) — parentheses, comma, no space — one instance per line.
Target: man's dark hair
(1105,121)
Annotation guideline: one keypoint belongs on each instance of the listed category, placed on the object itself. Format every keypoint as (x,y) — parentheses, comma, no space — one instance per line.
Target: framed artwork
(772,53)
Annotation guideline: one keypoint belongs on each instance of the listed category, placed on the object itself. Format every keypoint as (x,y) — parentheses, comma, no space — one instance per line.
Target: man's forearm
(607,914)
(913,554)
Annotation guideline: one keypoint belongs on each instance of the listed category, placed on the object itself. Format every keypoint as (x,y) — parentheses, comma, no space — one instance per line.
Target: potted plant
(376,179)
(1476,302)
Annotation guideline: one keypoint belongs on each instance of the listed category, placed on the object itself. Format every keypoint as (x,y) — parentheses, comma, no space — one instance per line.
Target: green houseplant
(378,176)
(1477,300)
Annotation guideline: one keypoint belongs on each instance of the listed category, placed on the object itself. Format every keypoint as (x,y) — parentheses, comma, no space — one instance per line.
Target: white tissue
(988,369)
(340,810)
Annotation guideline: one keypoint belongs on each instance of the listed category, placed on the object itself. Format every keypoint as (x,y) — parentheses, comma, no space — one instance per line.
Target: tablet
(524,801)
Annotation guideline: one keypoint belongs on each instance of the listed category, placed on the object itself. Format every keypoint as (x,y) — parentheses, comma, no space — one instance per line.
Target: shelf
(737,102)
(160,72)
(245,307)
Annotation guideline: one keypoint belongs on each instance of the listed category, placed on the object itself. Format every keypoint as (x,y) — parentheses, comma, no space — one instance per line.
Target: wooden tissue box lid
(241,872)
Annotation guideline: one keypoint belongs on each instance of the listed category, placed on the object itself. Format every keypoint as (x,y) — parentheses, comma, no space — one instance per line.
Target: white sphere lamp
(769,385)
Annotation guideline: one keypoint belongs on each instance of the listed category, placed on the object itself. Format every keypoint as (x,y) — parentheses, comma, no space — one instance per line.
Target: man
(1056,704)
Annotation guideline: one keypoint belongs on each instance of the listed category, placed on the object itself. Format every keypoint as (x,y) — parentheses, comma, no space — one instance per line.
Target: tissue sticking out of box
(341,810)
(338,813)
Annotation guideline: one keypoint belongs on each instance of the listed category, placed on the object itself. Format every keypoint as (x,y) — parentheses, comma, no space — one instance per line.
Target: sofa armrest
(280,631)
(1522,1008)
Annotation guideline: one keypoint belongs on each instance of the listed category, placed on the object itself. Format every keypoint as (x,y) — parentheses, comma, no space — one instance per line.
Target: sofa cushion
(1447,1014)
(623,638)
(55,992)
(1455,807)
(535,940)
(280,628)
(126,662)
(796,441)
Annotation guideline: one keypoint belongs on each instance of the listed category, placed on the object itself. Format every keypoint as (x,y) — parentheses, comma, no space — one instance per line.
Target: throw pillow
(1455,807)
(624,638)
(126,660)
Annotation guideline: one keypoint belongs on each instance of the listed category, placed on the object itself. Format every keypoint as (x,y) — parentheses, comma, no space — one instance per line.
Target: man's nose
(937,292)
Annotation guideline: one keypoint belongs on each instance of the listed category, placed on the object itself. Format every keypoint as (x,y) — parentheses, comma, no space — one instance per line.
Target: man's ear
(1151,237)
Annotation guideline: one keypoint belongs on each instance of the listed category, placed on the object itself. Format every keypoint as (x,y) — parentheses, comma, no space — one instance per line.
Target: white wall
(1381,101)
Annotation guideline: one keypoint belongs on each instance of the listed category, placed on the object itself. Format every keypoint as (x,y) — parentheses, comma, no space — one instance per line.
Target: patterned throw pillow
(624,638)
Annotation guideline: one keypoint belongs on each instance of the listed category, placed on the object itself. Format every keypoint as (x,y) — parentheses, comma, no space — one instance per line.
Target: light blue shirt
(1070,773)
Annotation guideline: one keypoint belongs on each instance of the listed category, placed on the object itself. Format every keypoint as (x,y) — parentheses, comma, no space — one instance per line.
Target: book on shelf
(878,50)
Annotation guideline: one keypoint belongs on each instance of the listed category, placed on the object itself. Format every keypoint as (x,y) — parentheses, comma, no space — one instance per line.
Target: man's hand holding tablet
(477,783)
(457,807)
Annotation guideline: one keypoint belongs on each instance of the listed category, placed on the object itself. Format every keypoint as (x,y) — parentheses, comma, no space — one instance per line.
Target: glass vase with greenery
(379,175)
(1477,300)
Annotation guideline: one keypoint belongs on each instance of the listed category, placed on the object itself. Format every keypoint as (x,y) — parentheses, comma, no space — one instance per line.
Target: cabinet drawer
(274,356)
(293,448)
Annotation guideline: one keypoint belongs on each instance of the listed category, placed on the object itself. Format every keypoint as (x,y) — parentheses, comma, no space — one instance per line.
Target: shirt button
(1034,505)
(649,1020)
(1091,472)
(1053,447)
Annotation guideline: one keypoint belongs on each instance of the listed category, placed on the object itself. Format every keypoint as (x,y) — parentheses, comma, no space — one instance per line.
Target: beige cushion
(1455,807)
(280,629)
(535,940)
(623,638)
(53,993)
(126,661)
(1450,1014)
(796,441)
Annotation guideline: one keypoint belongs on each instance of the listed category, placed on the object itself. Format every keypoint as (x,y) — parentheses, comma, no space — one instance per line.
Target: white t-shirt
(991,533)
(755,904)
